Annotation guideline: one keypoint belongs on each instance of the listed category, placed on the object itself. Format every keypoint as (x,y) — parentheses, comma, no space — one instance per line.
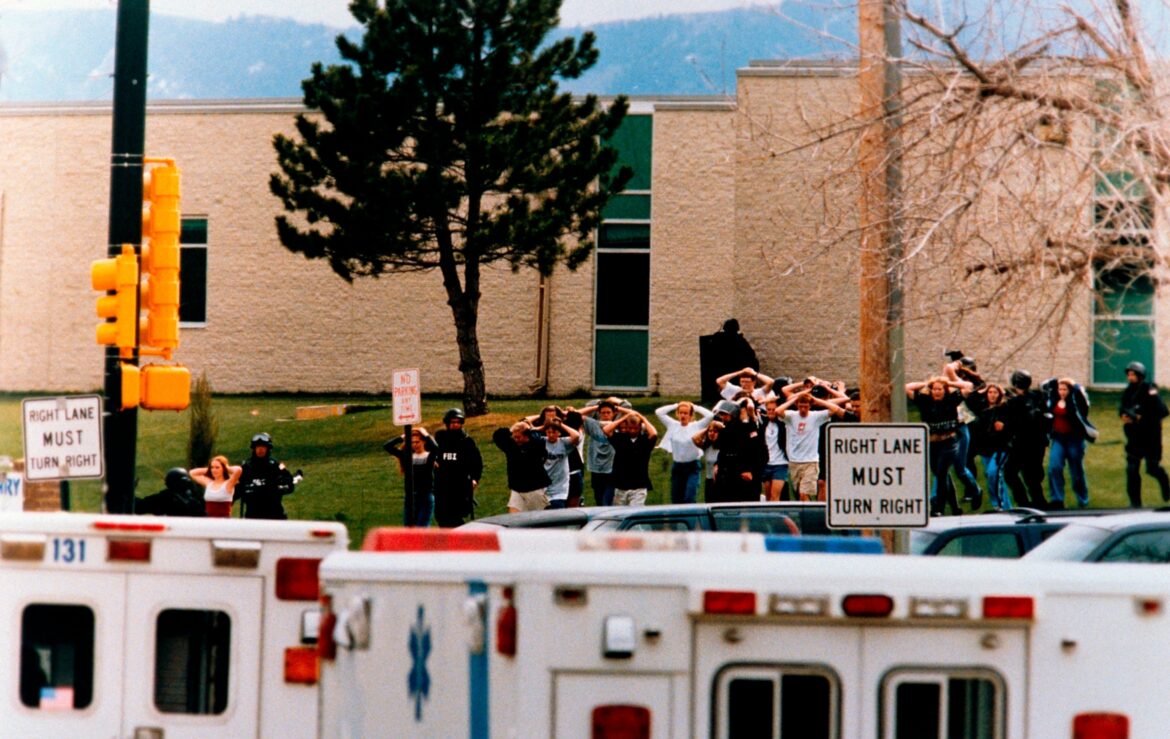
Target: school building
(719,221)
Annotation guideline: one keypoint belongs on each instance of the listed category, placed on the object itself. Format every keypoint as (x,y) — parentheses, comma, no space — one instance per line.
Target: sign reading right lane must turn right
(877,475)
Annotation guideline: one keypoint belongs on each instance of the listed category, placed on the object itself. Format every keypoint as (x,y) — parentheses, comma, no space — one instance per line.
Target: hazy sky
(336,13)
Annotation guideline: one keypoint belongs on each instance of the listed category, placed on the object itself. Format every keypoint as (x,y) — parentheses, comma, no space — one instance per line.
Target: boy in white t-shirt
(803,427)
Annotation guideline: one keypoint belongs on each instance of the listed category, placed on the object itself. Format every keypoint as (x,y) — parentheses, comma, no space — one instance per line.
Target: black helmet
(452,414)
(262,439)
(178,479)
(1021,379)
(968,362)
(1137,368)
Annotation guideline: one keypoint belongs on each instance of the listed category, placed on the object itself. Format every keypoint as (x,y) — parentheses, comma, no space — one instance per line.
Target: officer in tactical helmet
(178,498)
(458,468)
(1142,411)
(263,483)
(1030,421)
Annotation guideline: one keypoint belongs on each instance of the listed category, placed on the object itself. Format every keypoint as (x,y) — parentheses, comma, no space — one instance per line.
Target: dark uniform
(1142,411)
(458,468)
(263,483)
(1029,421)
(178,498)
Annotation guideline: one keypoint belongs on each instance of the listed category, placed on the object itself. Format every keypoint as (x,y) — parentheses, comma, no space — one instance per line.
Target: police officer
(178,498)
(1142,411)
(458,468)
(1029,422)
(264,482)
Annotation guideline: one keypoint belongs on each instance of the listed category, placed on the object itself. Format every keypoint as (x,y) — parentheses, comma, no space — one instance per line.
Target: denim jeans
(1070,450)
(424,505)
(684,481)
(944,456)
(1000,496)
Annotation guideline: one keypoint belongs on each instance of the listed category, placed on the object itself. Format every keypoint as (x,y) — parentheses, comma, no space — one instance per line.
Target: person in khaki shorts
(632,437)
(524,450)
(803,427)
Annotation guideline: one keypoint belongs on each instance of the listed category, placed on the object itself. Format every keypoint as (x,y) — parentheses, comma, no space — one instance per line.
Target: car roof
(1021,517)
(1119,521)
(621,512)
(551,518)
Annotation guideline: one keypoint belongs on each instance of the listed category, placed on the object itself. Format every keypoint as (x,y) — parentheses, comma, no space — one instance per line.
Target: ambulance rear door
(64,676)
(192,655)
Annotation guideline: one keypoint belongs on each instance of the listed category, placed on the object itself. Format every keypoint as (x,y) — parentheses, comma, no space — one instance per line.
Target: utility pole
(879,162)
(129,138)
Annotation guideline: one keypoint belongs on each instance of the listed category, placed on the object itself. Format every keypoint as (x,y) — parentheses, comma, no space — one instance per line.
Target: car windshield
(602,524)
(1071,544)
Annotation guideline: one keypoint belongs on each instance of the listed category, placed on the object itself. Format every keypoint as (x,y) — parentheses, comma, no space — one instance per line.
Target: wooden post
(879,163)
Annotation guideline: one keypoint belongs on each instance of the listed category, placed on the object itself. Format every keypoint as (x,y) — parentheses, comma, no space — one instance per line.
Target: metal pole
(408,474)
(129,135)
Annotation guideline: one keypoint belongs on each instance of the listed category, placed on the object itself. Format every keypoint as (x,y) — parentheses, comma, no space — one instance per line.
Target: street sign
(877,475)
(407,397)
(62,437)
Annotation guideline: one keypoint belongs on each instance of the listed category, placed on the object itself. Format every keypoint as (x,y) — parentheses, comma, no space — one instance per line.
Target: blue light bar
(824,544)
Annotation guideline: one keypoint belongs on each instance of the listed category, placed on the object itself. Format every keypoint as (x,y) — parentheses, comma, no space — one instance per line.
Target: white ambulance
(160,628)
(514,634)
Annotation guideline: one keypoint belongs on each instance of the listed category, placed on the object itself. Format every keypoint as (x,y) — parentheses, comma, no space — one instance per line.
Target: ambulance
(574,635)
(160,628)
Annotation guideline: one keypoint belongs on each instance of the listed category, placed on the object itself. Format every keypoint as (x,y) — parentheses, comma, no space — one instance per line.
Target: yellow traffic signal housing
(131,385)
(165,387)
(119,276)
(161,224)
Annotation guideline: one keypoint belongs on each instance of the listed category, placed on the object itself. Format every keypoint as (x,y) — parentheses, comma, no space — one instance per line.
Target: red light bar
(321,534)
(128,550)
(867,605)
(1101,726)
(1009,606)
(296,578)
(430,540)
(128,526)
(729,601)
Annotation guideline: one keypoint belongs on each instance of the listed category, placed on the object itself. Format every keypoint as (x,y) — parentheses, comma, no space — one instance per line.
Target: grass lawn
(349,478)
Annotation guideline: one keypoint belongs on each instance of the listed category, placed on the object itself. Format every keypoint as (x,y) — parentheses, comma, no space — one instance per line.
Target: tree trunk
(466,312)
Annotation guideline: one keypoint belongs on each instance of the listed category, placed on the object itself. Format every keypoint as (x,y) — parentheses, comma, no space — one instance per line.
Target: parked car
(1127,537)
(768,518)
(1003,535)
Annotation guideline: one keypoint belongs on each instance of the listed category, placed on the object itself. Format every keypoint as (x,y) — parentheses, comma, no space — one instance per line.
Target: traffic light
(165,387)
(119,276)
(161,222)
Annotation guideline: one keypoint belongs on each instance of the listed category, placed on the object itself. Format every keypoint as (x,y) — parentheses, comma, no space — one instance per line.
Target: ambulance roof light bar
(391,539)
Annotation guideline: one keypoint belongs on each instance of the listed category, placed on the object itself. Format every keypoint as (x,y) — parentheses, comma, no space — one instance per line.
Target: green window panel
(624,236)
(634,143)
(628,207)
(193,231)
(621,358)
(1121,292)
(193,271)
(1116,344)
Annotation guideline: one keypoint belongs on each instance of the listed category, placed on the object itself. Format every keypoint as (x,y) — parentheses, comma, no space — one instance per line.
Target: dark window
(661,524)
(1141,546)
(56,657)
(623,295)
(193,271)
(764,702)
(192,653)
(947,707)
(1004,545)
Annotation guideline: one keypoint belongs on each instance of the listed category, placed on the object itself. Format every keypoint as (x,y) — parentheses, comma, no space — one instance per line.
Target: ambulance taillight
(621,722)
(1100,726)
(300,665)
(867,605)
(128,550)
(734,602)
(506,626)
(1019,607)
(296,578)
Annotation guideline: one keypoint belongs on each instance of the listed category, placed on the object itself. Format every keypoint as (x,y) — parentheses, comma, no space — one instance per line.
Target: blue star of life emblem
(419,681)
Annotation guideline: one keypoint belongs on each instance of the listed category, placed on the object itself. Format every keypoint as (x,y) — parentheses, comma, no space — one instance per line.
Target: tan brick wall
(692,241)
